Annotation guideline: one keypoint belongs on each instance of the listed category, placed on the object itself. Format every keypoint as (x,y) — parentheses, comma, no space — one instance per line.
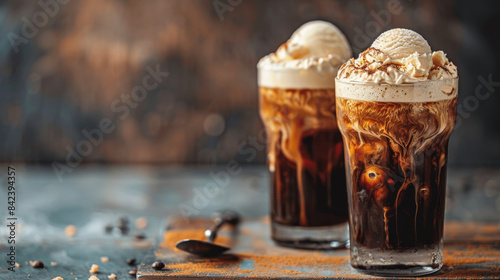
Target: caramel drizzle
(292,113)
(410,129)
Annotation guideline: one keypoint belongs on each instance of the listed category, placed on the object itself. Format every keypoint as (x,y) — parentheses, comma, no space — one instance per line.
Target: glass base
(320,238)
(398,270)
(415,262)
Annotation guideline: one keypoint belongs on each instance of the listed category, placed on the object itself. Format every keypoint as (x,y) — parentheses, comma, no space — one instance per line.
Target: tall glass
(305,157)
(396,143)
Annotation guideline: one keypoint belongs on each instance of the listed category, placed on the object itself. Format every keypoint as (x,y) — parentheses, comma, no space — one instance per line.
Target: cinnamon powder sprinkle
(469,252)
(263,265)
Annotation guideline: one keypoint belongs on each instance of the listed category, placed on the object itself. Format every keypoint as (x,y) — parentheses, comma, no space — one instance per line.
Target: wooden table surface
(93,196)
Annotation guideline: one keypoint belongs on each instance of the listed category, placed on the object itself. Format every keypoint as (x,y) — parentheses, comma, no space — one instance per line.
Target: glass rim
(419,83)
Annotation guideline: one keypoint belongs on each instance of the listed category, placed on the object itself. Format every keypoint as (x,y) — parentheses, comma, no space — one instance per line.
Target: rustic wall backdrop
(69,67)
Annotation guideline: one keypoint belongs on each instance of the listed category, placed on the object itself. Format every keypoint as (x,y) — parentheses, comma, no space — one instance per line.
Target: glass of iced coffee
(396,108)
(305,151)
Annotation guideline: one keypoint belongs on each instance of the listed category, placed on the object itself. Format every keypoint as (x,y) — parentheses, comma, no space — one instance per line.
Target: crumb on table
(141,223)
(94,268)
(70,231)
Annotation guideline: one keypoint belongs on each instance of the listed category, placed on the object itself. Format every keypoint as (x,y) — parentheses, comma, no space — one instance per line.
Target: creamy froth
(427,91)
(309,59)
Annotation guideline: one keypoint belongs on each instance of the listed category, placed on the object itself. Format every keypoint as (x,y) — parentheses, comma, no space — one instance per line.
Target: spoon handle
(221,218)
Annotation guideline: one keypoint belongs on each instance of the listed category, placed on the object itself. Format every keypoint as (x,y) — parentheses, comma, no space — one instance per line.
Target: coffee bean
(158,265)
(131,261)
(37,264)
(139,236)
(108,228)
(124,229)
(123,220)
(133,272)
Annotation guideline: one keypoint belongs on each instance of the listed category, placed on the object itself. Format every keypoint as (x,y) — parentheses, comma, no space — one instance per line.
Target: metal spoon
(208,248)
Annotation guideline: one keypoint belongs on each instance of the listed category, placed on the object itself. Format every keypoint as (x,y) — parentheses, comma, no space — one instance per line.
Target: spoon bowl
(200,248)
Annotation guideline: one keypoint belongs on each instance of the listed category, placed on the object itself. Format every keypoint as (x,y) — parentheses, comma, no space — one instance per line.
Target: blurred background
(69,68)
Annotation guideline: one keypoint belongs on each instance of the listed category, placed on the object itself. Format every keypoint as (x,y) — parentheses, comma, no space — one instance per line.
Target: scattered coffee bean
(37,264)
(131,261)
(139,236)
(123,229)
(123,220)
(108,228)
(133,272)
(158,265)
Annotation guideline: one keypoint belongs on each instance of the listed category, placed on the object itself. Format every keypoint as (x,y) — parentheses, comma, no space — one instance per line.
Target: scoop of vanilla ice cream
(316,39)
(400,43)
(398,56)
(407,46)
(309,59)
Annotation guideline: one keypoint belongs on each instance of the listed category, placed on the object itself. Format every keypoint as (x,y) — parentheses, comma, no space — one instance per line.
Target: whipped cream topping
(398,56)
(309,59)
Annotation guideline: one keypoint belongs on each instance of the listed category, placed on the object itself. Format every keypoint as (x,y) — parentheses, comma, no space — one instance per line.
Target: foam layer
(428,91)
(309,59)
(277,76)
